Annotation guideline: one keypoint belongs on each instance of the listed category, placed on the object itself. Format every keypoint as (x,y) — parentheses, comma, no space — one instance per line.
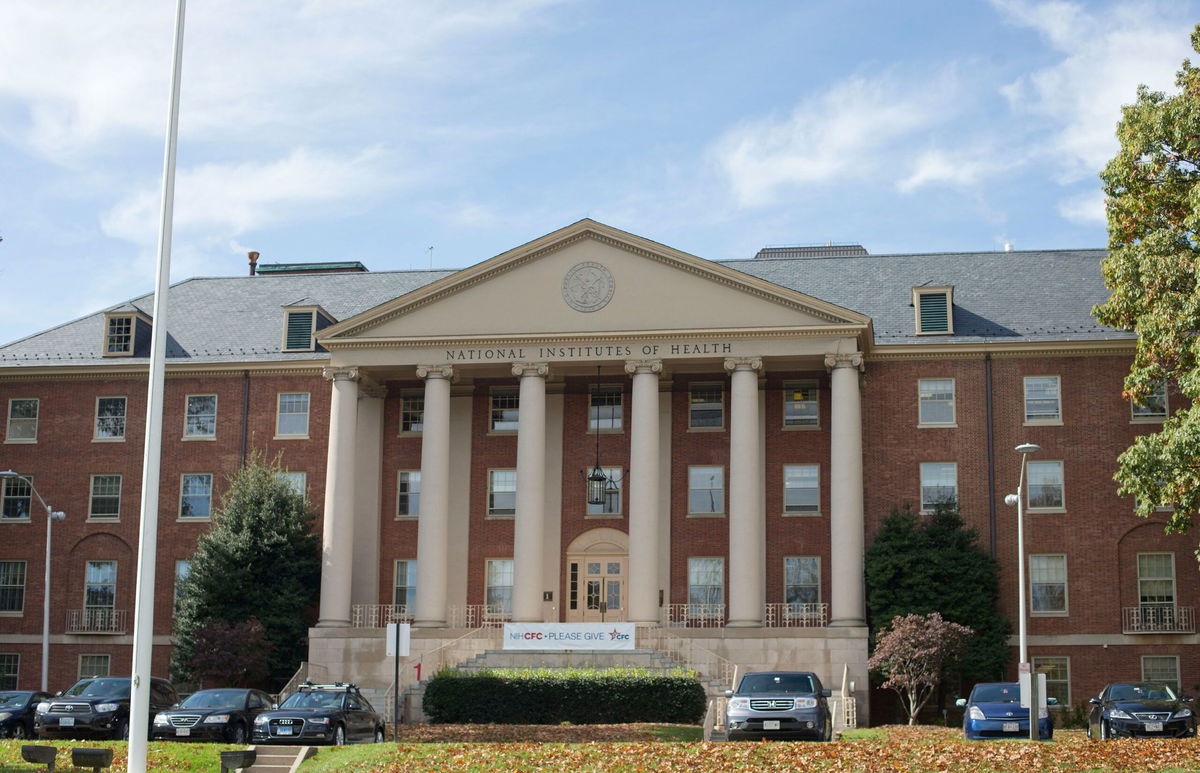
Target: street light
(51,517)
(1018,499)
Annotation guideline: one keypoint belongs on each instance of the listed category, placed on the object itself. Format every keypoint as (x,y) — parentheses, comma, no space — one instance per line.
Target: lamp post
(51,517)
(1018,499)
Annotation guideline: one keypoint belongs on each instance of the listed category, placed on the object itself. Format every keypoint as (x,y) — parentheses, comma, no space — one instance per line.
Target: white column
(746,527)
(368,484)
(337,531)
(847,599)
(643,488)
(531,489)
(433,521)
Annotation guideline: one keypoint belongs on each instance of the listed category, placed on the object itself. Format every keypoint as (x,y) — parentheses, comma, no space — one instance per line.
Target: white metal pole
(1024,652)
(143,625)
(46,609)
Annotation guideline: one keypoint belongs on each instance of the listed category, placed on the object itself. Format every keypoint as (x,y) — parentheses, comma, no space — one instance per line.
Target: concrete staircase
(279,759)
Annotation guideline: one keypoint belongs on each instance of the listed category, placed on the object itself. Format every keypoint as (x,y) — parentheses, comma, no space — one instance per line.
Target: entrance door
(601,589)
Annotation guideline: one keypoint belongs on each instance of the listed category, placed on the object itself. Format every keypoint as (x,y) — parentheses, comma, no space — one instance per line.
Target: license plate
(1154,727)
(770,724)
(183,731)
(283,730)
(66,721)
(1011,727)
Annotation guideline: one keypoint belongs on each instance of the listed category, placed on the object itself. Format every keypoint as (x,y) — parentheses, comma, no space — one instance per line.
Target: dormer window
(300,327)
(123,331)
(935,310)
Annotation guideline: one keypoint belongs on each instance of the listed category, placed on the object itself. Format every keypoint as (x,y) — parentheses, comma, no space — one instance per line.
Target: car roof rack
(346,686)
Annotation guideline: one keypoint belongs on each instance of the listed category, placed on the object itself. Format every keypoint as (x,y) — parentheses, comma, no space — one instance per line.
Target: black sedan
(16,712)
(1141,709)
(222,715)
(321,713)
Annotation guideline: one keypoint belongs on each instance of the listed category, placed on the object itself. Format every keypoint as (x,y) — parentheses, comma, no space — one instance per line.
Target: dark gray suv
(97,707)
(779,705)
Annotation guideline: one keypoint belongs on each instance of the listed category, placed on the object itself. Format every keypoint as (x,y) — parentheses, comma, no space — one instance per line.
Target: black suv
(779,705)
(97,707)
(321,713)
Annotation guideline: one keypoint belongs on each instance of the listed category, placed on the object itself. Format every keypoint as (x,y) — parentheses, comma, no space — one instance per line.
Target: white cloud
(1086,209)
(961,168)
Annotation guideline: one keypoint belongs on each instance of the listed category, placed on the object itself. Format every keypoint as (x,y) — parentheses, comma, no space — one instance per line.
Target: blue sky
(372,130)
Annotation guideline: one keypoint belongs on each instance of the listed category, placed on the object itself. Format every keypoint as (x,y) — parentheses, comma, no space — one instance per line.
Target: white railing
(714,717)
(379,615)
(96,620)
(688,654)
(844,712)
(1158,618)
(479,616)
(430,663)
(694,615)
(795,615)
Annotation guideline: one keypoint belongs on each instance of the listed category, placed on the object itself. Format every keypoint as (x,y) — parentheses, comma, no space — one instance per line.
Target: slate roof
(1026,296)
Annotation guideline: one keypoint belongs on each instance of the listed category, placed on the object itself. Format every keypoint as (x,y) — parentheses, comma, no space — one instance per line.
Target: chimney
(253,262)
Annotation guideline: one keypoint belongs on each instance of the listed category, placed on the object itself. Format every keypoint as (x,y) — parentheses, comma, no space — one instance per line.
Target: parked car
(225,714)
(16,712)
(994,710)
(779,705)
(97,707)
(321,713)
(1141,709)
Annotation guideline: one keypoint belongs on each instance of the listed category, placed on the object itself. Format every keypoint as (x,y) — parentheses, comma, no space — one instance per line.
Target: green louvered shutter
(935,313)
(299,331)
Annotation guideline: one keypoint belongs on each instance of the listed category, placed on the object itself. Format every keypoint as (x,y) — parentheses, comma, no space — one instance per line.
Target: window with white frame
(935,397)
(801,489)
(605,412)
(182,570)
(801,406)
(706,490)
(94,665)
(1156,579)
(1043,402)
(297,482)
(1161,669)
(1057,669)
(505,409)
(1048,583)
(12,587)
(118,335)
(1154,408)
(100,591)
(706,406)
(408,493)
(16,495)
(499,586)
(195,495)
(10,669)
(502,492)
(412,412)
(110,418)
(404,592)
(291,419)
(939,485)
(801,580)
(105,500)
(706,582)
(22,420)
(1045,481)
(201,418)
(612,493)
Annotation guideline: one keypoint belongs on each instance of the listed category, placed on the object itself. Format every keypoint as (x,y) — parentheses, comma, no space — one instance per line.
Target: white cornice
(1113,347)
(190,370)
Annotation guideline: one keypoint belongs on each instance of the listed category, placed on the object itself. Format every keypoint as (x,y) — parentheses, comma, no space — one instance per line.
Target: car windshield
(10,700)
(215,699)
(760,683)
(996,693)
(99,688)
(1141,692)
(313,700)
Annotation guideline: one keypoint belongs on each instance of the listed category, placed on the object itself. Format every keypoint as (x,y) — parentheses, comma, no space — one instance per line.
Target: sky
(439,133)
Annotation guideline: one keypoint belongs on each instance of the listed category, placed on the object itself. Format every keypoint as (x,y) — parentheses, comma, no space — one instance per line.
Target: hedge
(555,696)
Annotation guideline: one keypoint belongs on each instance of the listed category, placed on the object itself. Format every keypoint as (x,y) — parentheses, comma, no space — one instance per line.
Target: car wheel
(237,734)
(339,736)
(379,735)
(19,731)
(120,731)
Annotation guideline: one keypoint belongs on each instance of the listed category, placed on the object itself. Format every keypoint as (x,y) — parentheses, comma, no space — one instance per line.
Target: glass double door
(598,589)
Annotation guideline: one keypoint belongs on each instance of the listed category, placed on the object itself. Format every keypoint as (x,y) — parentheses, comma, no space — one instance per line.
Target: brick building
(751,422)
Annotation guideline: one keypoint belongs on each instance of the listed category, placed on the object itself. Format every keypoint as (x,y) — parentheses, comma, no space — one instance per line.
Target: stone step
(278,759)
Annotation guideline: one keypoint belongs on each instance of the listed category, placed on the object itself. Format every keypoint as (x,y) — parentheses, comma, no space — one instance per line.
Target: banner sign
(568,636)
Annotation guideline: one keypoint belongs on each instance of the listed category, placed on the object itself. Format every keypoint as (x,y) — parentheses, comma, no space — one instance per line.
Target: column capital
(435,371)
(643,366)
(340,374)
(743,363)
(844,360)
(530,369)
(369,387)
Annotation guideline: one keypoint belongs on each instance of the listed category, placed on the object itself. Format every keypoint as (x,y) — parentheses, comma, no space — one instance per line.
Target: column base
(744,624)
(429,624)
(333,623)
(848,622)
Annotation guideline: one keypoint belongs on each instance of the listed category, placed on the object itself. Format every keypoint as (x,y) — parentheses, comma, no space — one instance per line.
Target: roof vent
(830,250)
(935,310)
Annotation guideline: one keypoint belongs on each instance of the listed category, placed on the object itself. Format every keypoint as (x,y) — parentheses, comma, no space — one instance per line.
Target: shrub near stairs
(553,696)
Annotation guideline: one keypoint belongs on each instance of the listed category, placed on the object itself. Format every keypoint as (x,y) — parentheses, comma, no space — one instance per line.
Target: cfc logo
(615,635)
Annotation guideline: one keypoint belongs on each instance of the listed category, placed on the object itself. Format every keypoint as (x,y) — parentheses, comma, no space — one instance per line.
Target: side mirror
(961,703)
(1094,701)
(276,705)
(1187,699)
(826,692)
(729,693)
(1051,701)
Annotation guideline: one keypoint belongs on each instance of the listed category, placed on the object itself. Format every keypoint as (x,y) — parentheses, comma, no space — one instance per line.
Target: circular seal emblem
(588,287)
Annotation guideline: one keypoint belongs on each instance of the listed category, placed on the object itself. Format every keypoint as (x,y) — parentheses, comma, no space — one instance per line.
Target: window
(292,418)
(201,419)
(412,412)
(93,665)
(15,497)
(612,493)
(502,492)
(22,420)
(1048,584)
(106,497)
(800,404)
(405,594)
(706,490)
(1058,676)
(802,580)
(110,418)
(182,570)
(801,488)
(1045,485)
(408,493)
(10,668)
(100,593)
(936,399)
(1156,579)
(1155,407)
(506,414)
(118,335)
(604,409)
(934,308)
(297,482)
(706,582)
(939,485)
(706,407)
(499,586)
(1042,400)
(1163,669)
(195,495)
(12,586)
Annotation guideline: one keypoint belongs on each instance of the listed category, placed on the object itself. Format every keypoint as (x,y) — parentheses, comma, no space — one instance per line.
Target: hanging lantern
(597,486)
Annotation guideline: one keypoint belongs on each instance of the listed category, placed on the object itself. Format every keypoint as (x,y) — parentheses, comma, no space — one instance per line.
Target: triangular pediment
(587,279)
